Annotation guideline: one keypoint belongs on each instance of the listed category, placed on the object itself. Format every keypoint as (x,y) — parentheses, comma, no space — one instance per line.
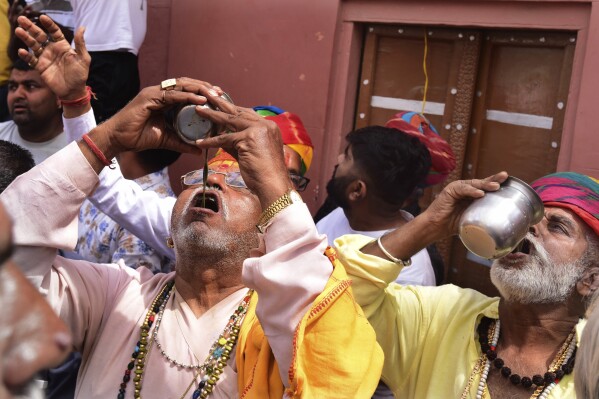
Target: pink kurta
(106,304)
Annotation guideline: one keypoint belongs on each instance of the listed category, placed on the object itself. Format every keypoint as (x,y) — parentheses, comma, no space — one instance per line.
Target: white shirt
(9,131)
(421,272)
(112,24)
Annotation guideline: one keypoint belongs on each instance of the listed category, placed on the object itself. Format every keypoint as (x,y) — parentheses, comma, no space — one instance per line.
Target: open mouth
(209,201)
(523,246)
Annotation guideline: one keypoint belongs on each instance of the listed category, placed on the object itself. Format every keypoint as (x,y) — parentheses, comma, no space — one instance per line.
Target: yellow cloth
(335,351)
(428,334)
(5,63)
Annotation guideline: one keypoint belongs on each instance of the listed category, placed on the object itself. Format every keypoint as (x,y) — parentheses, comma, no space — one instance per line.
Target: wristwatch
(290,197)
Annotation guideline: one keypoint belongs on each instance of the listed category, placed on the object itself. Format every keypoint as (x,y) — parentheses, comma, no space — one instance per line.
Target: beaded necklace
(210,370)
(488,335)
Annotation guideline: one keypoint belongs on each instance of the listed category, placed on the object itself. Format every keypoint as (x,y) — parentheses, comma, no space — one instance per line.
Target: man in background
(36,114)
(380,172)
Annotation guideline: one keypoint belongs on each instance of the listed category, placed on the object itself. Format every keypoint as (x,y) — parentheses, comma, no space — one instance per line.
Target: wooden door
(517,119)
(498,98)
(393,79)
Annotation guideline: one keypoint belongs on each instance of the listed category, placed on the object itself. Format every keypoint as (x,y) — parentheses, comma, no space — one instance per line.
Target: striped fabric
(293,132)
(574,191)
(442,158)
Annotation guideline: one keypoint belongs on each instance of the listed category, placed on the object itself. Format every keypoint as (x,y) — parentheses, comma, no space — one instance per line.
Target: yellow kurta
(428,334)
(333,344)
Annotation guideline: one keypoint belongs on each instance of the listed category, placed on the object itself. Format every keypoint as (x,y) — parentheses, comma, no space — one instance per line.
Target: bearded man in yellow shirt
(450,342)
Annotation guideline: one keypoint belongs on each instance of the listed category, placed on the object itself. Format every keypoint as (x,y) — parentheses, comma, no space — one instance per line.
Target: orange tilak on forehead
(223,162)
(225,166)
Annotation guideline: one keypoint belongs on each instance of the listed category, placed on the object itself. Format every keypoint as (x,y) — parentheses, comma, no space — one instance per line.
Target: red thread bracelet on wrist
(80,102)
(97,152)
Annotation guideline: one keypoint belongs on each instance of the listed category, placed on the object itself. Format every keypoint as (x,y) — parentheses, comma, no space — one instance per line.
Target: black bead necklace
(564,363)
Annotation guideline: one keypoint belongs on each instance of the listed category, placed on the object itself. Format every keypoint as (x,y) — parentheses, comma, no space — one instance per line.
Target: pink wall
(304,57)
(260,52)
(153,55)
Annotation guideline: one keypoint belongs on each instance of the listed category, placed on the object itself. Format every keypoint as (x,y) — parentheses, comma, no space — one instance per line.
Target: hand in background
(63,69)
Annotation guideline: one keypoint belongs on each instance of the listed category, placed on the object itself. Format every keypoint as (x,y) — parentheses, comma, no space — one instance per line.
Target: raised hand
(63,69)
(140,124)
(445,211)
(255,142)
(440,220)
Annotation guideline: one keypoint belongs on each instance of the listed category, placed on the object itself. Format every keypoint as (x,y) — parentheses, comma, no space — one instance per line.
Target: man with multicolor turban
(442,158)
(295,136)
(458,343)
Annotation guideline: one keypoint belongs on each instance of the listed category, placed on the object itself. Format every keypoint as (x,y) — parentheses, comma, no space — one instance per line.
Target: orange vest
(335,353)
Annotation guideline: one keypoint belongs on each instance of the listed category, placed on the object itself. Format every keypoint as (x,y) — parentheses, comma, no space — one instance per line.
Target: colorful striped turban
(576,192)
(293,132)
(442,158)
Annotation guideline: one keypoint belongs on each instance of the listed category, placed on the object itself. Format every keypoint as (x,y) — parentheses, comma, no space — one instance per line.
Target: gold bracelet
(290,197)
(404,263)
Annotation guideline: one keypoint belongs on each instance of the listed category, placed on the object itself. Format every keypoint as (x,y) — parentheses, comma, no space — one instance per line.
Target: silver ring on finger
(44,44)
(38,52)
(33,62)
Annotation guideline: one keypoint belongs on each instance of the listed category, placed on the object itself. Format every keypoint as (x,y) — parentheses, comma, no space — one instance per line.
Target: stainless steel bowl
(189,125)
(492,226)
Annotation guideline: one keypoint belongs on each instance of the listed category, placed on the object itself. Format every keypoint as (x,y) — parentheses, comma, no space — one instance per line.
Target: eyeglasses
(196,178)
(234,179)
(300,182)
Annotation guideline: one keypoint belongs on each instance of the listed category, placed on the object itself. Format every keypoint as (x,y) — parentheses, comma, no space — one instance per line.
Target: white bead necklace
(482,385)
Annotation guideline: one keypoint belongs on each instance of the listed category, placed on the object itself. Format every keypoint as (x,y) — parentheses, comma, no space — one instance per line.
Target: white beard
(539,281)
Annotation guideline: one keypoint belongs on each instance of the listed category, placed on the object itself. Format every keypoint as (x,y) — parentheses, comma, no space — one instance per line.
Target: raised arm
(143,213)
(138,126)
(372,270)
(440,220)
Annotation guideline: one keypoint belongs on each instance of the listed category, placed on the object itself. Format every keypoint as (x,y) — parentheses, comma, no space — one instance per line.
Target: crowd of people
(156,295)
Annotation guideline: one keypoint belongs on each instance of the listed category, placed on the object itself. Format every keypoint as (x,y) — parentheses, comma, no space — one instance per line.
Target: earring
(169,242)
